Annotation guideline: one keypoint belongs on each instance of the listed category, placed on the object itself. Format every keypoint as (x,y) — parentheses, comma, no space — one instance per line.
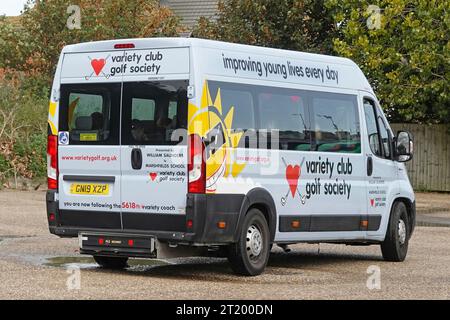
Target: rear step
(119,245)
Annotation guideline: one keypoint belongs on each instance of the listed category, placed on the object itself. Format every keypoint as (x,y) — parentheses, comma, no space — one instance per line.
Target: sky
(11,7)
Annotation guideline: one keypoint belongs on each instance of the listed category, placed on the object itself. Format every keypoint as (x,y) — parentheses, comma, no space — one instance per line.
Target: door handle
(136,159)
(369,166)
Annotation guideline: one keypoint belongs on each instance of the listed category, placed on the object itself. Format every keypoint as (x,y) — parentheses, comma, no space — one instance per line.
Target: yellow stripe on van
(53,127)
(52,109)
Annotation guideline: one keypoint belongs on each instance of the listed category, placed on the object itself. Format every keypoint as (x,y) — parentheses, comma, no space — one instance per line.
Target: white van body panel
(199,61)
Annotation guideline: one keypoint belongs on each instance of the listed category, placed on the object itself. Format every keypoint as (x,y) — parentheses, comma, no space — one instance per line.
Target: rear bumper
(117,245)
(205,211)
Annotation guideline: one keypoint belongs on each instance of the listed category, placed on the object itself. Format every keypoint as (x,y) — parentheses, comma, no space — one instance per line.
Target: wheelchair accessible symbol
(63,138)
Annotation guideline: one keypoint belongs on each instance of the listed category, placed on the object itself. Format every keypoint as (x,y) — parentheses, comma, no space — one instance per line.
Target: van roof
(145,43)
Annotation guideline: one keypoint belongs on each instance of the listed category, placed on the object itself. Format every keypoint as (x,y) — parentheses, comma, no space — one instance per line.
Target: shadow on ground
(218,269)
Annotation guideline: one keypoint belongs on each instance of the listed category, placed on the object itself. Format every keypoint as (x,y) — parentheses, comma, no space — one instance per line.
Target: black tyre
(395,245)
(250,254)
(113,263)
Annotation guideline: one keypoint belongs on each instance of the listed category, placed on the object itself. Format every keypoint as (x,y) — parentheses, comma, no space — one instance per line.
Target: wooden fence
(430,168)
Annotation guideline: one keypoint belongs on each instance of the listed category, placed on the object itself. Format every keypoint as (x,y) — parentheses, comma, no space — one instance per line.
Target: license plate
(89,189)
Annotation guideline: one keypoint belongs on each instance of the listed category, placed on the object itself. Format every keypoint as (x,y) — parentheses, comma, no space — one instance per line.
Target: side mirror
(404,146)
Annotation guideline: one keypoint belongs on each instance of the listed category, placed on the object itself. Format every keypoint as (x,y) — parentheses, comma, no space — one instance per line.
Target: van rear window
(89,113)
(153,111)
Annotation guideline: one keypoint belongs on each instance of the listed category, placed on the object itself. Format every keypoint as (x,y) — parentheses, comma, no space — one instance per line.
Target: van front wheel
(395,245)
(250,254)
(113,263)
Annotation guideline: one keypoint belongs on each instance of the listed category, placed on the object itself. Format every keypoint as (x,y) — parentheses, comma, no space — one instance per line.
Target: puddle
(89,263)
(65,261)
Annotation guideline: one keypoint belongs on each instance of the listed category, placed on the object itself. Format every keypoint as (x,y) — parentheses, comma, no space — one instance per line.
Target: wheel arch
(410,209)
(260,199)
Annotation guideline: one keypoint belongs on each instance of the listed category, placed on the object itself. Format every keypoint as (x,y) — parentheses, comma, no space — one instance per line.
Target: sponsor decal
(319,169)
(209,121)
(377,198)
(293,174)
(282,69)
(165,165)
(97,67)
(143,62)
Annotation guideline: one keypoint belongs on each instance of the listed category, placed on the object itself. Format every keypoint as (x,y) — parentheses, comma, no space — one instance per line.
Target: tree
(403,47)
(304,25)
(36,42)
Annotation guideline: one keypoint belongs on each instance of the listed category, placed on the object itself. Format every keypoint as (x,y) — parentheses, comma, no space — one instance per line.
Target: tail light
(52,162)
(196,165)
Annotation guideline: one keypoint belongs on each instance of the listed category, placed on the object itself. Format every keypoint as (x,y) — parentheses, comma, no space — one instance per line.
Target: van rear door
(89,160)
(154,149)
(89,142)
(154,155)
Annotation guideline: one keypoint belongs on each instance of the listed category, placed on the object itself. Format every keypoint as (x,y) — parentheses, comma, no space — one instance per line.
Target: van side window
(237,113)
(378,130)
(284,111)
(372,128)
(86,112)
(336,122)
(152,112)
(242,104)
(385,140)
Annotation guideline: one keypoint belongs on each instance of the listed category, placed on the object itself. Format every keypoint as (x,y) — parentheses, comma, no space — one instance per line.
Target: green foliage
(5,166)
(304,25)
(36,42)
(23,132)
(31,48)
(406,60)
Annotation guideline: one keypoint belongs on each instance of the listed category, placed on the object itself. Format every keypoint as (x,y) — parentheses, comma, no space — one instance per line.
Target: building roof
(191,10)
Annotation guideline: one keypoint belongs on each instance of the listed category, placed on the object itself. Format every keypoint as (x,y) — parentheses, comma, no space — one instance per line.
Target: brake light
(124,46)
(196,165)
(52,162)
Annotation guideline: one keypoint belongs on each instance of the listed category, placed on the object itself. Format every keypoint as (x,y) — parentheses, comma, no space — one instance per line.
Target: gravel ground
(34,265)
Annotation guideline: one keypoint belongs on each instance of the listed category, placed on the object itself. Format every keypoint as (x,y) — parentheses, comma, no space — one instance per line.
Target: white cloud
(11,7)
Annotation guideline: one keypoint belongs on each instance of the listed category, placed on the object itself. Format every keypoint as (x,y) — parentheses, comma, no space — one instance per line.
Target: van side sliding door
(335,168)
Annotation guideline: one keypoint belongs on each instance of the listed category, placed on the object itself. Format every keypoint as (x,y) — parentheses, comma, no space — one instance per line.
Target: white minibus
(170,147)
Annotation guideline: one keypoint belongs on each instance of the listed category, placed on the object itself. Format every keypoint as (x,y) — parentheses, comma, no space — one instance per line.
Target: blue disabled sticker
(63,138)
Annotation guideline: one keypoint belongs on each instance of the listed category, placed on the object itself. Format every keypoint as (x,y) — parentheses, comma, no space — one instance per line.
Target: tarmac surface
(37,265)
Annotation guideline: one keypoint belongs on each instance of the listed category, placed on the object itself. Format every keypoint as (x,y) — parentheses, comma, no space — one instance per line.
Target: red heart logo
(153,176)
(98,65)
(292,176)
(372,202)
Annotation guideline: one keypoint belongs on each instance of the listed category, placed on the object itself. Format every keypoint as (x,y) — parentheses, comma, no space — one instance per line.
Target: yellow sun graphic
(206,120)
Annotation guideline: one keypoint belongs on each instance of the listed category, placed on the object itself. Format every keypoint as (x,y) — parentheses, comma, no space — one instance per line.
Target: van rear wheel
(250,254)
(113,263)
(395,246)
